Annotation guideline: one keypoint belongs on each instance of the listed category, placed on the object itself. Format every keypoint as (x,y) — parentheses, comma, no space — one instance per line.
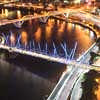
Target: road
(91,19)
(24,5)
(3,2)
(68,85)
(70,81)
(48,57)
(65,90)
(77,90)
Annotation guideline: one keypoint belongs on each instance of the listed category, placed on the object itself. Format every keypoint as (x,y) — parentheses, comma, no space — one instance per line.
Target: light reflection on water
(44,76)
(24,37)
(9,14)
(98,93)
(39,34)
(19,15)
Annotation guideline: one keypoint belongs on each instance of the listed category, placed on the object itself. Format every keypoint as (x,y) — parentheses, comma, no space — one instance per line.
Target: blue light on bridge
(31,46)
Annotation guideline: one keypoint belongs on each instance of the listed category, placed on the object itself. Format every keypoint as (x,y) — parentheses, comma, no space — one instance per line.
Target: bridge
(44,17)
(67,81)
(53,57)
(25,5)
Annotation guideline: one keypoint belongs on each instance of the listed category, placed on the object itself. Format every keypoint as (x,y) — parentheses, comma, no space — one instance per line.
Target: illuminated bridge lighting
(10,41)
(32,51)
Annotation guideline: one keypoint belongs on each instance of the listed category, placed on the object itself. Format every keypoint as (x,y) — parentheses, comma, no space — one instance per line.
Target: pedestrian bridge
(65,84)
(49,57)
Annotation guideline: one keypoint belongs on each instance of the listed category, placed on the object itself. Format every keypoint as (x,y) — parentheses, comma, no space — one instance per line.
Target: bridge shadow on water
(27,78)
(38,66)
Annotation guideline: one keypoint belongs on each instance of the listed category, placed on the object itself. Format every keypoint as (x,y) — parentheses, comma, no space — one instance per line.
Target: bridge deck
(48,57)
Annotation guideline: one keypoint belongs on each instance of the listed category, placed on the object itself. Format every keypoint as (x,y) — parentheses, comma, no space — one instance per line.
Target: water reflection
(9,14)
(12,39)
(85,40)
(69,27)
(19,14)
(98,93)
(53,35)
(24,37)
(61,29)
(38,34)
(4,13)
(49,27)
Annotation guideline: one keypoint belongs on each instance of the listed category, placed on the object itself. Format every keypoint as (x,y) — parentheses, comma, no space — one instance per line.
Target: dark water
(27,78)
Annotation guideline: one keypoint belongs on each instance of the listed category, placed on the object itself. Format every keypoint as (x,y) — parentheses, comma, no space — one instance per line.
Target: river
(30,78)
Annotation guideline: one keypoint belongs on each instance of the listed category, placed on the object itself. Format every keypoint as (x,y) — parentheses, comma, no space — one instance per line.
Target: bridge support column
(66,15)
(43,19)
(18,24)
